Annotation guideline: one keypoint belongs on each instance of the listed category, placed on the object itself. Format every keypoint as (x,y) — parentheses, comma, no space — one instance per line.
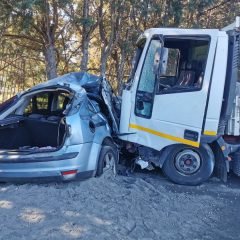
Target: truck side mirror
(157,59)
(160,61)
(164,61)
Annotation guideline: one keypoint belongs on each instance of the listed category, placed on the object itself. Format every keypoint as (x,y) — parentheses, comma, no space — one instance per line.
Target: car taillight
(67,175)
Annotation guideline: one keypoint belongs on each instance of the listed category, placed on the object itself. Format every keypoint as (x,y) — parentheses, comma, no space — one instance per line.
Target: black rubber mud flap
(221,163)
(221,169)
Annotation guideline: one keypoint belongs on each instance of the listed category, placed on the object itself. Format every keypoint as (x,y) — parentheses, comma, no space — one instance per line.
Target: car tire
(187,165)
(108,159)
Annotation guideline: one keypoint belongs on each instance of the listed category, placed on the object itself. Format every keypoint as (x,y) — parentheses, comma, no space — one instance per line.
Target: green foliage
(177,12)
(85,21)
(65,3)
(31,22)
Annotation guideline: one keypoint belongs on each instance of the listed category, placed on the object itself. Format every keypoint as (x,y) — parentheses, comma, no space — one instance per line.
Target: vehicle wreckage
(179,111)
(58,130)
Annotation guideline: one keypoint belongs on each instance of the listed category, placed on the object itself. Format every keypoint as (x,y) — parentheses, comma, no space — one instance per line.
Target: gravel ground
(142,206)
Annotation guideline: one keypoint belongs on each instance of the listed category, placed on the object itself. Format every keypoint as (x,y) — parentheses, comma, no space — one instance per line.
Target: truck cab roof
(182,31)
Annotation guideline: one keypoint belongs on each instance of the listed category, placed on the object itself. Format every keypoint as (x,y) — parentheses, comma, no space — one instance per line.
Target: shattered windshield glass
(147,79)
(140,46)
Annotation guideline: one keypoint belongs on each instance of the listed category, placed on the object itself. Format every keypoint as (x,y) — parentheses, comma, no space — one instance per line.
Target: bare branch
(21,36)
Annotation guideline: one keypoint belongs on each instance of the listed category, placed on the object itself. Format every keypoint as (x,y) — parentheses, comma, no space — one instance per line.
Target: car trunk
(33,133)
(37,124)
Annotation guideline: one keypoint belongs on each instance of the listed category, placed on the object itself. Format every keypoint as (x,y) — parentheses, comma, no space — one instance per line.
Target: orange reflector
(69,172)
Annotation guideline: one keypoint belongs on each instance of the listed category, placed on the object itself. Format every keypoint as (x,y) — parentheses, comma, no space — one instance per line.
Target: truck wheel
(188,165)
(108,160)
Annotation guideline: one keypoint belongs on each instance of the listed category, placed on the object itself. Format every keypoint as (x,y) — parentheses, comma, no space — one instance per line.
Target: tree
(109,28)
(5,14)
(38,27)
(57,36)
(83,16)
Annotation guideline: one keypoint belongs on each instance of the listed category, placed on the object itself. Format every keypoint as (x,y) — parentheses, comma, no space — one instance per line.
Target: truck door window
(146,85)
(172,63)
(185,65)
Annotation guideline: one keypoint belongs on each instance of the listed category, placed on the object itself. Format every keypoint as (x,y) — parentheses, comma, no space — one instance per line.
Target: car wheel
(188,165)
(108,160)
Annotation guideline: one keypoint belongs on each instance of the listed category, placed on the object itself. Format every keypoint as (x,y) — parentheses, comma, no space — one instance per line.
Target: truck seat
(187,75)
(199,74)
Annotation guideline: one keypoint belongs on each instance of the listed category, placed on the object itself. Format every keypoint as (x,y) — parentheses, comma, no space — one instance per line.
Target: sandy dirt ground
(143,206)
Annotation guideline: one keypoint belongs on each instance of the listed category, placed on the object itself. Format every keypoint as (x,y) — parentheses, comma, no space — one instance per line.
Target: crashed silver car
(60,129)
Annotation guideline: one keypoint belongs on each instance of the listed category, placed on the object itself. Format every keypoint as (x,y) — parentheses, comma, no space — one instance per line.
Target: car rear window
(8,103)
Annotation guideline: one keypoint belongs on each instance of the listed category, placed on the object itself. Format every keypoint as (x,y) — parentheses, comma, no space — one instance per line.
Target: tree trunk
(49,46)
(120,72)
(2,31)
(85,36)
(103,66)
(50,61)
(85,48)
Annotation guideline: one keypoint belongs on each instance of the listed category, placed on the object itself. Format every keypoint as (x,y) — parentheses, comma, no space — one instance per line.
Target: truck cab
(178,103)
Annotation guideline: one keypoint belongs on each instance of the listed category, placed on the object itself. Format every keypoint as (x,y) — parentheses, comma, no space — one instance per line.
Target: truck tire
(108,159)
(188,165)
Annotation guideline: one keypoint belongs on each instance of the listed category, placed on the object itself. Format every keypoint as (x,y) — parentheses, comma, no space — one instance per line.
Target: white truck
(181,106)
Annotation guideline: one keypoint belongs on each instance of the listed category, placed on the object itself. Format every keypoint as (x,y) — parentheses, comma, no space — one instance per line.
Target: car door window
(29,108)
(42,102)
(39,104)
(8,103)
(63,100)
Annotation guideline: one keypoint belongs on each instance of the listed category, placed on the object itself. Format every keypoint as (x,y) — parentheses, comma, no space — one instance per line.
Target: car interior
(37,124)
